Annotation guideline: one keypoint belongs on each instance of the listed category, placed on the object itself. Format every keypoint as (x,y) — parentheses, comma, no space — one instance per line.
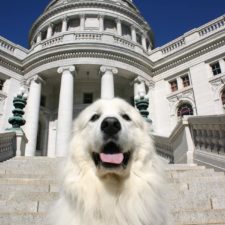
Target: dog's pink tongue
(112,158)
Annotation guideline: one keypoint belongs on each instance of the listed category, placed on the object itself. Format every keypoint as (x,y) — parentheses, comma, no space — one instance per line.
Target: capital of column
(36,79)
(65,18)
(139,80)
(150,84)
(104,69)
(66,68)
(50,25)
(118,20)
(100,16)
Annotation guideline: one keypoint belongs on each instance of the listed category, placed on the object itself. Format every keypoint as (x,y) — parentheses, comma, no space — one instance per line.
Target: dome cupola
(75,21)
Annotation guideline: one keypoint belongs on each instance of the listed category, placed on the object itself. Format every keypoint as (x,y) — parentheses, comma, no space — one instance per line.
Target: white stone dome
(111,10)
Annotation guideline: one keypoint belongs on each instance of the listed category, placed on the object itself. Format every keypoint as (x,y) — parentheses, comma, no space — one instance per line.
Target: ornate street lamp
(19,102)
(142,104)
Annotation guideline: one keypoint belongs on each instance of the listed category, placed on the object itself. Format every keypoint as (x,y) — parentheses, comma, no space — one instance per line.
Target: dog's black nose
(110,126)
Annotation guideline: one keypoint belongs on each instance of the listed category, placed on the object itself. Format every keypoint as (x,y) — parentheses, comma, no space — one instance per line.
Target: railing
(13,49)
(52,41)
(7,146)
(177,147)
(214,26)
(86,36)
(164,148)
(190,37)
(173,46)
(6,46)
(122,41)
(195,139)
(209,133)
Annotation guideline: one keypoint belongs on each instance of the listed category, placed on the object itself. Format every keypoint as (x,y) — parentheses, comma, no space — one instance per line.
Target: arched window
(223,97)
(184,109)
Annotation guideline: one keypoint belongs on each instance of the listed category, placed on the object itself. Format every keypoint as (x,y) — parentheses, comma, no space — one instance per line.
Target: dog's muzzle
(111,156)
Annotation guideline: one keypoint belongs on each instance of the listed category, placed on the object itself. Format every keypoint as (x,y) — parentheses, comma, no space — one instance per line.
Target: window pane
(216,68)
(88,98)
(173,85)
(186,81)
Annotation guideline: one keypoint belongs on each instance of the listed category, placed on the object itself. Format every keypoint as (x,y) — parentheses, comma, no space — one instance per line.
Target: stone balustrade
(13,49)
(213,27)
(189,38)
(52,41)
(164,148)
(6,46)
(209,133)
(7,145)
(195,139)
(123,42)
(173,46)
(87,36)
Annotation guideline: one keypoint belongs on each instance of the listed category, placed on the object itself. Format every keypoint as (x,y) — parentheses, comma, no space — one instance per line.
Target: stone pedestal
(21,141)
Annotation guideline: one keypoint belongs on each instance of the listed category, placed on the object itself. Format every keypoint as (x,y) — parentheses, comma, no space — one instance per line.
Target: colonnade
(64,22)
(65,108)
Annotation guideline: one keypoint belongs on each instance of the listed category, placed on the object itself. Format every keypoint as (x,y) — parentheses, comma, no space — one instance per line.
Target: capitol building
(83,50)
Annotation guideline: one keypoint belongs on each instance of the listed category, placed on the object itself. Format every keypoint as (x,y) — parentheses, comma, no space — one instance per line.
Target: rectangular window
(88,98)
(57,28)
(1,84)
(139,38)
(185,80)
(74,24)
(216,68)
(110,25)
(173,85)
(126,31)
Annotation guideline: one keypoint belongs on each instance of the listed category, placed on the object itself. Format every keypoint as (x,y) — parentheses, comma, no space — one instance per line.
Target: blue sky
(169,19)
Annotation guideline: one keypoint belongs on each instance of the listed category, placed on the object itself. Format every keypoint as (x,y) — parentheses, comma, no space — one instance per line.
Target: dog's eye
(126,117)
(95,117)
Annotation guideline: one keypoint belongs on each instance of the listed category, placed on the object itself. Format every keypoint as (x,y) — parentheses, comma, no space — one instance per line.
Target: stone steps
(28,186)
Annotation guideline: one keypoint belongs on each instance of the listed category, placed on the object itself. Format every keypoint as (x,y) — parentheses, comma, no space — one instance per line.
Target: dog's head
(108,135)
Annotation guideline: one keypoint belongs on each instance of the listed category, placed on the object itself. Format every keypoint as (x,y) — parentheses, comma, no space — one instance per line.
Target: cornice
(12,64)
(87,53)
(176,61)
(104,5)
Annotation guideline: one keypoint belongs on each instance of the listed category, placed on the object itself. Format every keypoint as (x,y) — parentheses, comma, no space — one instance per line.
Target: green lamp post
(142,104)
(19,102)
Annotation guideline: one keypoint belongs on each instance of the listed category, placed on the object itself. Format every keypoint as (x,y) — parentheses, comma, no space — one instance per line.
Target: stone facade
(84,50)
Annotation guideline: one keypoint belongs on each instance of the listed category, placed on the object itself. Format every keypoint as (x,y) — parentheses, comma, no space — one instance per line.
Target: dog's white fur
(98,196)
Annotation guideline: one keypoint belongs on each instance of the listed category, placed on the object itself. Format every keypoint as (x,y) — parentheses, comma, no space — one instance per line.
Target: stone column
(107,82)
(180,85)
(142,89)
(136,88)
(64,24)
(39,37)
(144,43)
(65,111)
(32,115)
(50,30)
(133,34)
(101,23)
(82,22)
(119,27)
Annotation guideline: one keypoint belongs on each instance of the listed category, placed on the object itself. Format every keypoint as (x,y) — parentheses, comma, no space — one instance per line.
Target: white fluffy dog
(113,175)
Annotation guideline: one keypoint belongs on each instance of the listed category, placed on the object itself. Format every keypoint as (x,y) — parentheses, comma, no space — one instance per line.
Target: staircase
(29,185)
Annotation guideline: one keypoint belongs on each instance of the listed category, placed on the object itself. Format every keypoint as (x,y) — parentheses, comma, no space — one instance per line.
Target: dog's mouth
(111,156)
